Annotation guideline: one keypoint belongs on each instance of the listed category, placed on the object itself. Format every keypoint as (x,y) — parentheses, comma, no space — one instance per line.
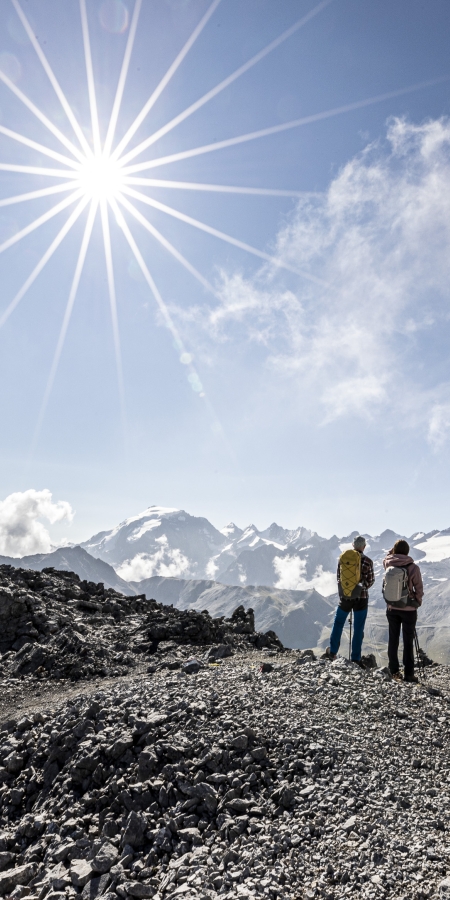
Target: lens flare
(114,16)
(10,66)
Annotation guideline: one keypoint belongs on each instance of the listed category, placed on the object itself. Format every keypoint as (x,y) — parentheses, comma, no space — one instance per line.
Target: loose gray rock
(221,651)
(105,858)
(53,625)
(320,781)
(80,872)
(96,887)
(13,877)
(192,666)
(135,889)
(135,827)
(6,859)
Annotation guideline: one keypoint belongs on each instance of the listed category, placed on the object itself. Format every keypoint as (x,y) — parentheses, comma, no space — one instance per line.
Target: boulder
(80,872)
(134,830)
(19,875)
(105,858)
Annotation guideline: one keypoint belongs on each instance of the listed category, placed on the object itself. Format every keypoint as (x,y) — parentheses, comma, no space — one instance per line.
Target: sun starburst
(100,178)
(103,179)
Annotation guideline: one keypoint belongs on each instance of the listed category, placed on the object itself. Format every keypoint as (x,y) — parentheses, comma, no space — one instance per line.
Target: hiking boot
(329,655)
(397,676)
(359,662)
(412,680)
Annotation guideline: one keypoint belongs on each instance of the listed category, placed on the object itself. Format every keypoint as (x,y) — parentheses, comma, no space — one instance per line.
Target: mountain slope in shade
(297,617)
(73,559)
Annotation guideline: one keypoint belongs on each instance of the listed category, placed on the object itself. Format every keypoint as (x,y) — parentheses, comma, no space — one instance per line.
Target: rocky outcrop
(298,617)
(54,624)
(73,559)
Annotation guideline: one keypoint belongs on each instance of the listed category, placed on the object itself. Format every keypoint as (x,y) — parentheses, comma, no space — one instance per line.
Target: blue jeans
(359,618)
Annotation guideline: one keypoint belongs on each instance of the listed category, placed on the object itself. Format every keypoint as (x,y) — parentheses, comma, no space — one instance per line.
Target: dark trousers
(406,621)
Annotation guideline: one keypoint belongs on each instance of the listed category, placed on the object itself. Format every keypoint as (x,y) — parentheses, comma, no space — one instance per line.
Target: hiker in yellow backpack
(354,576)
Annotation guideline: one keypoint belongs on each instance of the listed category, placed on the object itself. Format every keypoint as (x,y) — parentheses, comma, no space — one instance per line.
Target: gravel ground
(314,779)
(147,752)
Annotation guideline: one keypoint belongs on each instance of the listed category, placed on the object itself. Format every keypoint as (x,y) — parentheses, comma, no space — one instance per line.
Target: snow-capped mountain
(159,541)
(172,543)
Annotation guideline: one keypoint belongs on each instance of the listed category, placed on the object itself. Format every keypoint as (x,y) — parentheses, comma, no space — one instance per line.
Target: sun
(100,178)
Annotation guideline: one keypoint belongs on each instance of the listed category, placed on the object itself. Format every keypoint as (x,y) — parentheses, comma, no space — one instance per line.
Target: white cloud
(166,562)
(324,582)
(439,424)
(291,576)
(211,569)
(290,570)
(21,531)
(371,341)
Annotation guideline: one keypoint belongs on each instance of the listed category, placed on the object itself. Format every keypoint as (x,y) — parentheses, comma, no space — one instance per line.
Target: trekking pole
(350,638)
(416,647)
(420,660)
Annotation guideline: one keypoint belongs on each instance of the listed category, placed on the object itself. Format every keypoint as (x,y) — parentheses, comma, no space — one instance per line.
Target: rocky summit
(53,624)
(232,772)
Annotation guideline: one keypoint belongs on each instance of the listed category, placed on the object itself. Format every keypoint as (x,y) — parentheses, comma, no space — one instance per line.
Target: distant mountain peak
(250,529)
(153,511)
(231,530)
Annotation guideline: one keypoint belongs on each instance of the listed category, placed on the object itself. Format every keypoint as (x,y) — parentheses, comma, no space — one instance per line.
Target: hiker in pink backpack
(403,593)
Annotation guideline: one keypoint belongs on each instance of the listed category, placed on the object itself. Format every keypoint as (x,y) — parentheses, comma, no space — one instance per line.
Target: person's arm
(417,584)
(367,573)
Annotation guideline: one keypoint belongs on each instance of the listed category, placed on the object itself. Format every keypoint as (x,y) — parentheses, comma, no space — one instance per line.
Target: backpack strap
(407,567)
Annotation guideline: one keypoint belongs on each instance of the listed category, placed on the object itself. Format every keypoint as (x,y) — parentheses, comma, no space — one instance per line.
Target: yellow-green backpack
(350,573)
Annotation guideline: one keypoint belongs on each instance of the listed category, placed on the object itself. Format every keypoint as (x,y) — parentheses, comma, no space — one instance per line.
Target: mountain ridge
(170,542)
(72,559)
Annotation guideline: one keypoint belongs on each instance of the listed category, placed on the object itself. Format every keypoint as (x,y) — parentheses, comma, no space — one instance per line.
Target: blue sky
(320,398)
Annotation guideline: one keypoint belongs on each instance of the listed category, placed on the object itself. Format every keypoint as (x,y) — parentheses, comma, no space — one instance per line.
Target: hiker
(354,576)
(403,593)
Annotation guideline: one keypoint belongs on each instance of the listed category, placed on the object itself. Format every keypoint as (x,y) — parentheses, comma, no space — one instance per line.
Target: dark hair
(401,547)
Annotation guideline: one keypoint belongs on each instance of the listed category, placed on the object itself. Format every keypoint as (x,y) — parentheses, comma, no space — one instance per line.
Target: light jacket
(415,585)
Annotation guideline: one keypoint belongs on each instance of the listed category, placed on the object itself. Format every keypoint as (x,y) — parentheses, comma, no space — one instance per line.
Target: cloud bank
(291,576)
(372,339)
(21,531)
(166,562)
